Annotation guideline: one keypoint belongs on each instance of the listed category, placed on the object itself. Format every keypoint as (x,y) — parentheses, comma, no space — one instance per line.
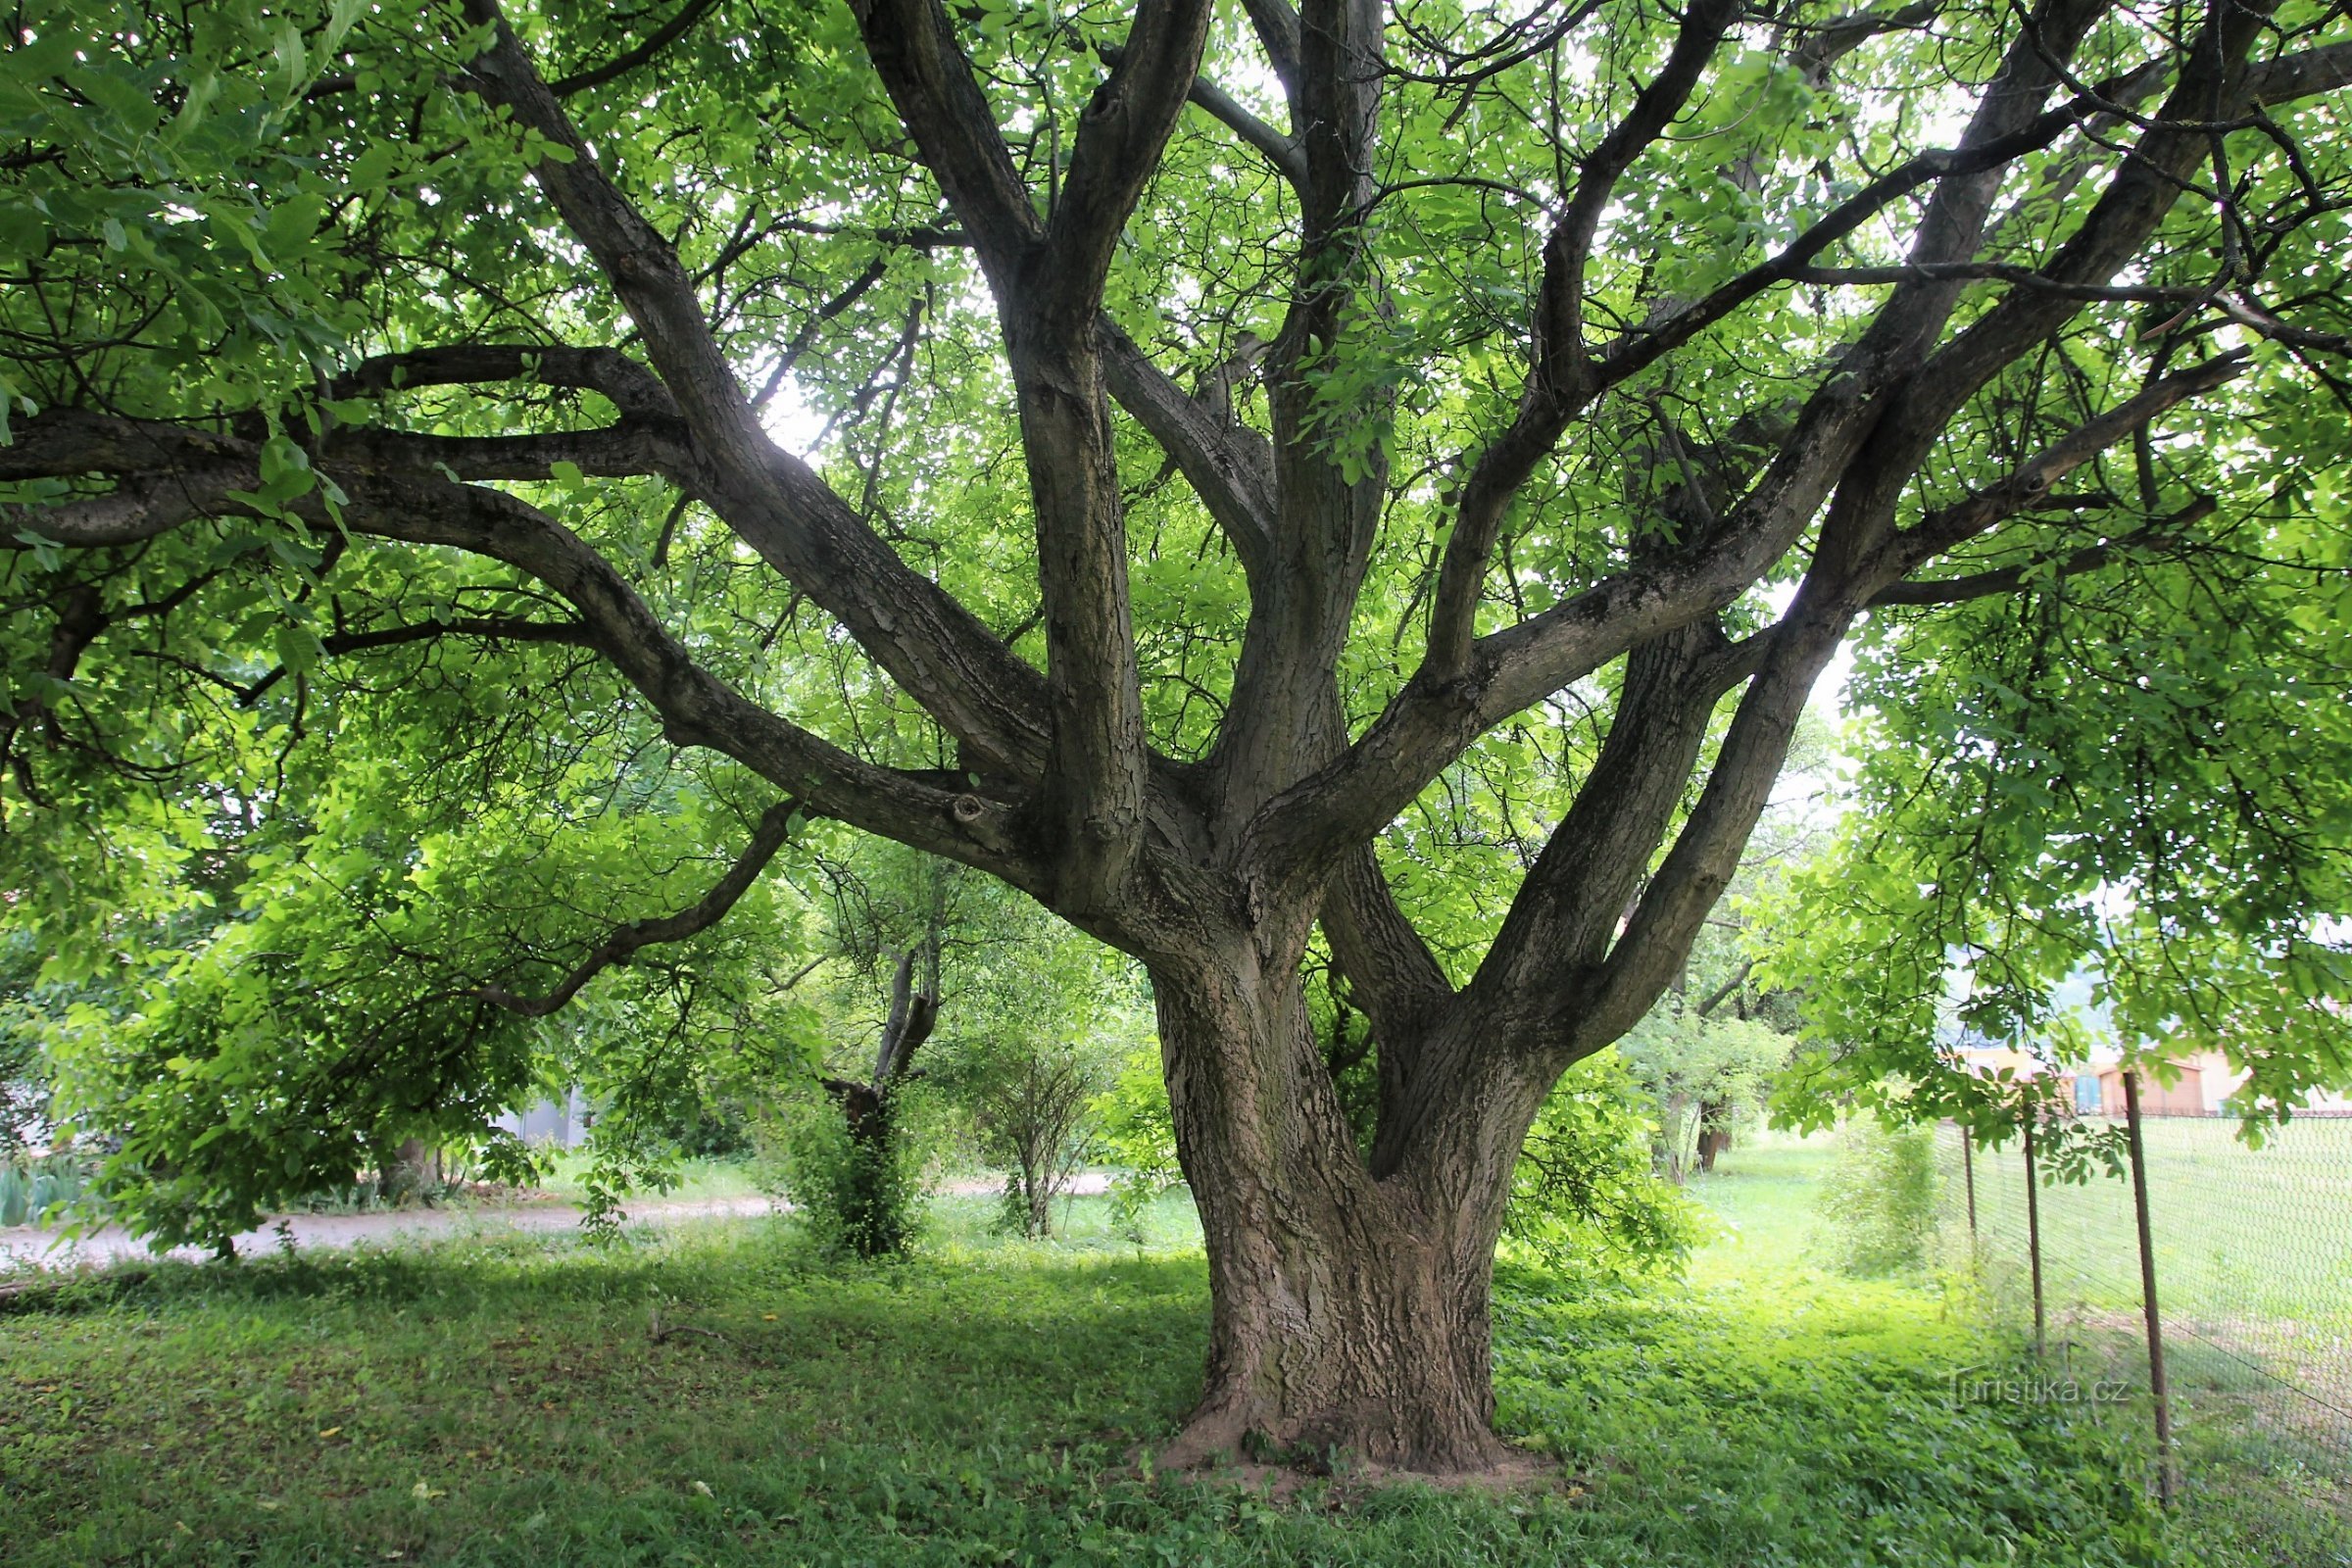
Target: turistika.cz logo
(1976,1384)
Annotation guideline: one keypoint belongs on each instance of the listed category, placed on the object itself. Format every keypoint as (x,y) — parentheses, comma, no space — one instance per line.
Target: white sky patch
(1830,688)
(792,421)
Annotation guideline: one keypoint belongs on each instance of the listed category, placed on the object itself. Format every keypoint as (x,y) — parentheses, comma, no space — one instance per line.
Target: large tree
(1239,440)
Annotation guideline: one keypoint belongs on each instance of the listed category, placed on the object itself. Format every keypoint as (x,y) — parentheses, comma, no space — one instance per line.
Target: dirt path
(30,1247)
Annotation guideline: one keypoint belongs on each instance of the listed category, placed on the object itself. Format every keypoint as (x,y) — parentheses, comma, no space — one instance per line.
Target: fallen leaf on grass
(328,1433)
(425,1494)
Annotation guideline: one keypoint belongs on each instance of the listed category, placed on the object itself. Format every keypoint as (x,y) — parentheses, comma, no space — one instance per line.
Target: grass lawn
(507,1402)
(697,1180)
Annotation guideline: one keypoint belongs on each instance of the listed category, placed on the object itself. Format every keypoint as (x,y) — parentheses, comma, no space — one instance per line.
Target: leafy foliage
(2118,784)
(1587,1200)
(1879,1202)
(342,1006)
(1136,1132)
(23,1075)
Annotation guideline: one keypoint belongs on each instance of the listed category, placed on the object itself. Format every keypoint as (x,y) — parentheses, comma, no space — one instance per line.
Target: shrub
(1879,1201)
(859,1196)
(1585,1198)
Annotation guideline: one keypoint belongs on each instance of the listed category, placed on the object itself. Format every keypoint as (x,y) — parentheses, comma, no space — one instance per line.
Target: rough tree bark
(1349,1313)
(1350,1292)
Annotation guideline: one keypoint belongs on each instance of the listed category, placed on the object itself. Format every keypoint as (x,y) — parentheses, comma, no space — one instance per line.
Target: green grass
(2266,1469)
(697,1180)
(503,1401)
(2245,1233)
(1761,1195)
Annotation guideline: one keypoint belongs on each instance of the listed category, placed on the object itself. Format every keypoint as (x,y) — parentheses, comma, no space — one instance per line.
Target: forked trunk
(1350,1315)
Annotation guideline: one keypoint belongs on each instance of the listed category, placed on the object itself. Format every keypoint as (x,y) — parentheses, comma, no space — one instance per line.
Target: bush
(1137,1133)
(1879,1201)
(1585,1198)
(30,1183)
(857,1197)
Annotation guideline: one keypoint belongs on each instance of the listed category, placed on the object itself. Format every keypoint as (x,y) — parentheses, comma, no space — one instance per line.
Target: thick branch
(1640,347)
(2300,76)
(629,386)
(1229,466)
(913,48)
(912,1014)
(620,451)
(1393,975)
(617,947)
(1521,1004)
(1281,151)
(166,474)
(1121,135)
(2143,190)
(1570,907)
(1276,23)
(1706,853)
(934,648)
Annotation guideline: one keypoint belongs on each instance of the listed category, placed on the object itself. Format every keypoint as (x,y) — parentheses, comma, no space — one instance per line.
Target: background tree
(1702,1075)
(1539,385)
(1051,1019)
(891,921)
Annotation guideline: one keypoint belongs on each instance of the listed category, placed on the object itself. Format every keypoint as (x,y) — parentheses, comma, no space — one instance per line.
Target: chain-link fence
(2251,1253)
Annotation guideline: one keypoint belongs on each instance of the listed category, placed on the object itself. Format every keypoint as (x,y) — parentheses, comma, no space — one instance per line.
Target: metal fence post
(1968,1172)
(2034,1241)
(2157,1390)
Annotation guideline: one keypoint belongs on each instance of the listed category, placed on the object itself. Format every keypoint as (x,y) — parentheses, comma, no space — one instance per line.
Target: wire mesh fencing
(2251,1257)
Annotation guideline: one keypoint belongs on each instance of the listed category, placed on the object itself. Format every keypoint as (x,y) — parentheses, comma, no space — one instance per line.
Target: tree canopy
(1358,486)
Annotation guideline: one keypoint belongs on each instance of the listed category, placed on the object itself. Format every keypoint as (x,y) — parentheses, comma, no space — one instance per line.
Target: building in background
(563,1122)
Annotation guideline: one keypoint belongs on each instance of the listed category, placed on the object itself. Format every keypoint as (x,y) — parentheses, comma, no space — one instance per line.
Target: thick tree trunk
(1349,1314)
(1714,1131)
